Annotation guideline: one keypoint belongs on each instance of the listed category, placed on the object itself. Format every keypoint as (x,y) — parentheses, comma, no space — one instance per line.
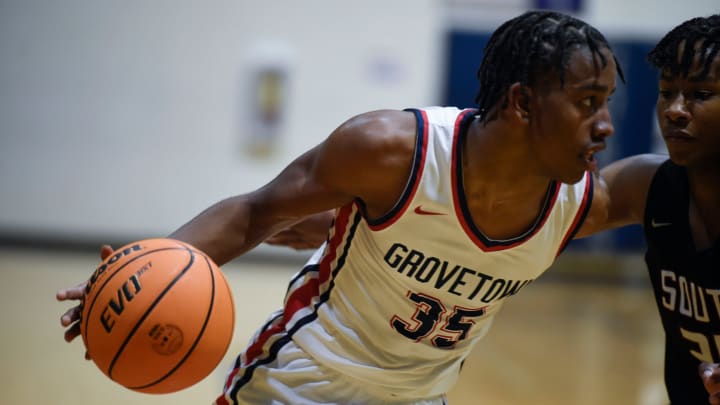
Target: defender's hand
(710,374)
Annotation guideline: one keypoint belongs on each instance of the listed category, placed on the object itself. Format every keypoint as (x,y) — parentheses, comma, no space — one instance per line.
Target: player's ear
(519,101)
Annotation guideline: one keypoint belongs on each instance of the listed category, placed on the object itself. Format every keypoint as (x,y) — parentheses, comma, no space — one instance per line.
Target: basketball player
(677,203)
(676,200)
(441,214)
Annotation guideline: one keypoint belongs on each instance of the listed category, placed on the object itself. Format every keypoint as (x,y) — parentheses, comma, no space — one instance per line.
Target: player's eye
(665,94)
(702,94)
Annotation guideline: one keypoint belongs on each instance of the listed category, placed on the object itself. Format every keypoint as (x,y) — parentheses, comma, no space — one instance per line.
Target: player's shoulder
(376,151)
(378,131)
(373,140)
(399,121)
(379,122)
(390,131)
(442,115)
(647,161)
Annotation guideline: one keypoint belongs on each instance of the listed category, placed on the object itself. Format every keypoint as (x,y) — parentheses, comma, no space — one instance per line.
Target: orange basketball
(157,316)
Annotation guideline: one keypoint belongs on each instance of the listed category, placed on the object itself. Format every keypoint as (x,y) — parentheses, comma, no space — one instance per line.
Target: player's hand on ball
(156,315)
(710,374)
(71,317)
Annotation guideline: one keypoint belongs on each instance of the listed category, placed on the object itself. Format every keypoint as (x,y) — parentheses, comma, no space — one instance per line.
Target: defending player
(677,203)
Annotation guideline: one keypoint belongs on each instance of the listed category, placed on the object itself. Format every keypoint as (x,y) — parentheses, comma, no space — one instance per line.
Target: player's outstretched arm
(237,224)
(620,193)
(368,158)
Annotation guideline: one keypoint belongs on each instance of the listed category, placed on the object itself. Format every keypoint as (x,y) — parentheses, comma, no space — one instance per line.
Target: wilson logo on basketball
(124,295)
(101,269)
(167,339)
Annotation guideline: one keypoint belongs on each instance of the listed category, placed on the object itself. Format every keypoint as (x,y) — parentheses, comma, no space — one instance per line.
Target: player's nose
(603,127)
(676,111)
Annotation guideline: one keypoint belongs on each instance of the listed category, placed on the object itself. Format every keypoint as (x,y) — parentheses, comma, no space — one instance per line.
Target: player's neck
(704,180)
(503,193)
(705,195)
(495,157)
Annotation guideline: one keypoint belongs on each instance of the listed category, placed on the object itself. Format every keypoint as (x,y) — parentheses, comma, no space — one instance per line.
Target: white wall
(124,119)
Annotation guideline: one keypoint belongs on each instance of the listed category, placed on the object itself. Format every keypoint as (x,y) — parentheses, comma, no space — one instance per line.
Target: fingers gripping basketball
(157,316)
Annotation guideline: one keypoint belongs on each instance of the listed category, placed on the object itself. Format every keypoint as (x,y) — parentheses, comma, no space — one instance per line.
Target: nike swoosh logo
(420,211)
(659,224)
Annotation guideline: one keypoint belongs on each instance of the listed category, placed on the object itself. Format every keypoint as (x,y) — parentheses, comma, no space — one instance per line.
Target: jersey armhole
(581,213)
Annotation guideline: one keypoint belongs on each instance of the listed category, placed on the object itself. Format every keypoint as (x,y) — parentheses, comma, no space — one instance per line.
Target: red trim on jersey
(455,159)
(578,215)
(300,298)
(221,400)
(339,231)
(546,215)
(408,196)
(469,231)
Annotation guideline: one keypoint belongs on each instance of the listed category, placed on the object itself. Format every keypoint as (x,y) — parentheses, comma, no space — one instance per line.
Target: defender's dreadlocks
(701,37)
(528,46)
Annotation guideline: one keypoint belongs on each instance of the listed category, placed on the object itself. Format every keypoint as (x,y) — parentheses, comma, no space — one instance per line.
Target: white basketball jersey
(399,302)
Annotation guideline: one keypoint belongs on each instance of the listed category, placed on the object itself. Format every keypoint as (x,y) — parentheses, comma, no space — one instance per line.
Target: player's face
(688,110)
(569,123)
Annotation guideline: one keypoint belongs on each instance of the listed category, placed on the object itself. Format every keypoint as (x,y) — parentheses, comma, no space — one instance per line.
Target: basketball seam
(110,277)
(148,311)
(200,334)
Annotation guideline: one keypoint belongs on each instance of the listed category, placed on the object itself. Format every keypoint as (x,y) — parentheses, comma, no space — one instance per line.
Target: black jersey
(686,283)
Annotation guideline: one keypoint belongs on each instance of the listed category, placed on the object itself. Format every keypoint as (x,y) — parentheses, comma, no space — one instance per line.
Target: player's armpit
(309,233)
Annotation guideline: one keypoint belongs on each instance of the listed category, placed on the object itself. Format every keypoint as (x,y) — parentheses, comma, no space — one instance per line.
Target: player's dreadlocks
(526,47)
(701,37)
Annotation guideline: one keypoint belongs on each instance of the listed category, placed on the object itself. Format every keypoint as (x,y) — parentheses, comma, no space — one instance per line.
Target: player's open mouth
(590,161)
